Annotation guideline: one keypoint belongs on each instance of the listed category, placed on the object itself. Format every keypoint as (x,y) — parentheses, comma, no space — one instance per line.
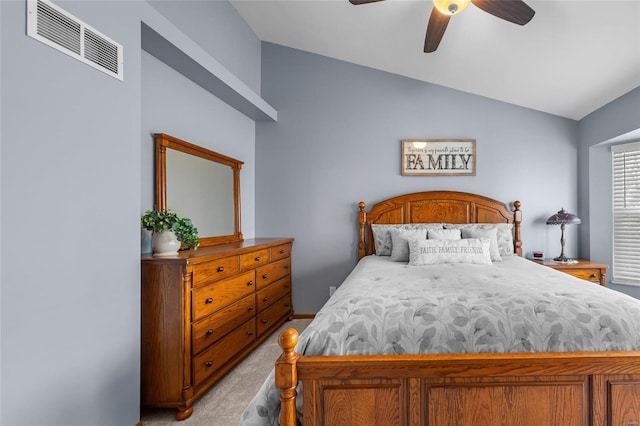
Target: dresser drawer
(209,299)
(209,272)
(275,291)
(586,274)
(272,272)
(280,252)
(254,259)
(583,269)
(214,327)
(271,315)
(219,353)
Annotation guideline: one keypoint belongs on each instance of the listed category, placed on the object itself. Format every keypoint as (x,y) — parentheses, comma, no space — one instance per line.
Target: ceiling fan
(515,11)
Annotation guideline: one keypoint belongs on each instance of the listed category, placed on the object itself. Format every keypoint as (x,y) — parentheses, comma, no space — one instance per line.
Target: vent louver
(59,29)
(56,27)
(100,51)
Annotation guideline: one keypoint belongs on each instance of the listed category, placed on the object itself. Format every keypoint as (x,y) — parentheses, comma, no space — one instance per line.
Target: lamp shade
(563,217)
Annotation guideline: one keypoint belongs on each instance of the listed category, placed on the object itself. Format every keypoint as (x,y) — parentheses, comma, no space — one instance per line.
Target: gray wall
(70,225)
(74,180)
(217,28)
(337,141)
(174,105)
(617,121)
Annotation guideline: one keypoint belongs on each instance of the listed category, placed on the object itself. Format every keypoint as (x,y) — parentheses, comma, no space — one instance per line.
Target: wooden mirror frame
(164,141)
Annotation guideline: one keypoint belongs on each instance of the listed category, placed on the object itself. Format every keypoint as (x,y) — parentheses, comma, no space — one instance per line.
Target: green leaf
(158,221)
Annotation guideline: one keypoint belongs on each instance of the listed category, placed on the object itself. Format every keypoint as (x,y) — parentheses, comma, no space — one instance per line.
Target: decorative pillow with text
(491,235)
(430,252)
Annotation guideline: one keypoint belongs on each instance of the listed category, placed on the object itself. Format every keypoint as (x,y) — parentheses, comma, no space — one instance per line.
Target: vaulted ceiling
(572,58)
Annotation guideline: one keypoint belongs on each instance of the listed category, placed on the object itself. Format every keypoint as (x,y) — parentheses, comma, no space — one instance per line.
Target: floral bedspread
(516,305)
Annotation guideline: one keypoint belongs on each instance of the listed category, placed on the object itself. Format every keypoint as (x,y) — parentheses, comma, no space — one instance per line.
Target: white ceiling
(572,58)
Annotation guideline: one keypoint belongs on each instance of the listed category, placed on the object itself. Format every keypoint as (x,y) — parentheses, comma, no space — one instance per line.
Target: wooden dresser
(203,311)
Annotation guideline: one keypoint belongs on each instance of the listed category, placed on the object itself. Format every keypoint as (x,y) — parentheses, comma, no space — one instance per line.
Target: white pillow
(430,252)
(444,234)
(490,234)
(505,234)
(382,237)
(400,244)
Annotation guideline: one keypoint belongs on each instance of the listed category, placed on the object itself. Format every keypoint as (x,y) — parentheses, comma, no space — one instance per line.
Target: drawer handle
(250,283)
(286,286)
(281,251)
(250,308)
(265,299)
(220,268)
(208,363)
(258,259)
(264,276)
(249,333)
(593,275)
(286,305)
(265,321)
(209,300)
(286,266)
(209,332)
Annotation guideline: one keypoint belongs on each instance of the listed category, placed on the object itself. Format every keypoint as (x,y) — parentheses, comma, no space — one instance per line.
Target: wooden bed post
(362,217)
(287,376)
(517,218)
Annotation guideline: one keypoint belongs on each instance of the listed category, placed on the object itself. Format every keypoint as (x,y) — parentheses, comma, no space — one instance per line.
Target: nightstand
(584,269)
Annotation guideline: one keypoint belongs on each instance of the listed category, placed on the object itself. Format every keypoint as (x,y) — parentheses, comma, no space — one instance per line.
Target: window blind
(626,213)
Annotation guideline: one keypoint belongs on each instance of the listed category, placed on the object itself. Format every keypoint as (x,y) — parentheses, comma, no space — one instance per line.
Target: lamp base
(565,259)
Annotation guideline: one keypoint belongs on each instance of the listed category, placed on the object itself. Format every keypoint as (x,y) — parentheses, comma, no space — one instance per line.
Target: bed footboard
(562,389)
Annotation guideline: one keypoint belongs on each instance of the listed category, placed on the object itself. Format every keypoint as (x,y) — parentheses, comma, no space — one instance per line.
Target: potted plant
(170,232)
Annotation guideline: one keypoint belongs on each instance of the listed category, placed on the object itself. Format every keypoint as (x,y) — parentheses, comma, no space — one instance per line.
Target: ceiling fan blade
(357,2)
(515,11)
(435,30)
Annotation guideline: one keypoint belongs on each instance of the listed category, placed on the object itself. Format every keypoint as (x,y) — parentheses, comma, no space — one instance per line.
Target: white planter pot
(164,244)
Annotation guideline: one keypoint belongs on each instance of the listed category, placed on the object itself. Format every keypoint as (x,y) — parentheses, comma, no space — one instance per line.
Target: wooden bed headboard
(437,207)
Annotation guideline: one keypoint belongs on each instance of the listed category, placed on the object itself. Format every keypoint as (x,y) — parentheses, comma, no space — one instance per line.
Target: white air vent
(59,29)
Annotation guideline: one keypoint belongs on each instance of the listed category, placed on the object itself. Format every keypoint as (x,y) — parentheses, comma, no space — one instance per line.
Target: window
(626,213)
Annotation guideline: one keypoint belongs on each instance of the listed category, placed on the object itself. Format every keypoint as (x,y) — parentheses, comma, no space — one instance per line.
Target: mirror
(200,184)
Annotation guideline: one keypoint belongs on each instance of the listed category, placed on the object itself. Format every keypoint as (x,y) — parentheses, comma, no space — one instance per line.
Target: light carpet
(224,402)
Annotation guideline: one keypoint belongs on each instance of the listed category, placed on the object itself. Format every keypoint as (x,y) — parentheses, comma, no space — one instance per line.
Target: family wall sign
(438,157)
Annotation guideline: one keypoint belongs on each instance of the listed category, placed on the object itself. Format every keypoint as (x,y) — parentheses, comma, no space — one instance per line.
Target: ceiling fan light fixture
(451,7)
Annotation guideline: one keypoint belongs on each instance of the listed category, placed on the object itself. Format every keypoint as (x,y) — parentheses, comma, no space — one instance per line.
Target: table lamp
(563,218)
